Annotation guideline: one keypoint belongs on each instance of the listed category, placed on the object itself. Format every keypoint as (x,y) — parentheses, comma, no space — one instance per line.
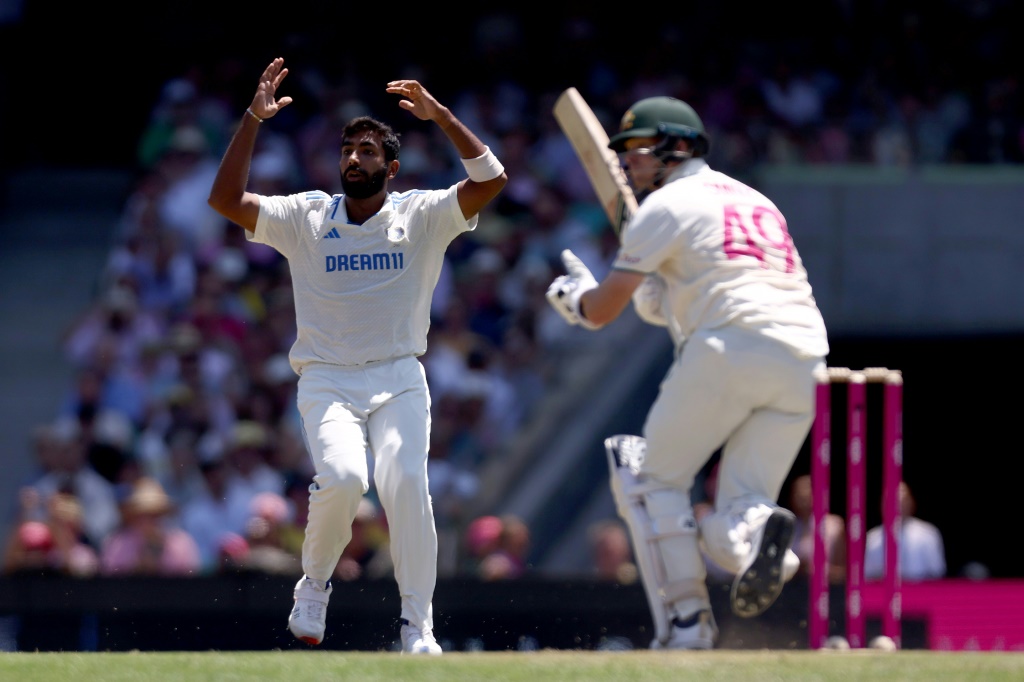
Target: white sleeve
(282,219)
(647,301)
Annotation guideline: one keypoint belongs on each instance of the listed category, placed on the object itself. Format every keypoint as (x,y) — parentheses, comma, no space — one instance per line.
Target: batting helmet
(661,117)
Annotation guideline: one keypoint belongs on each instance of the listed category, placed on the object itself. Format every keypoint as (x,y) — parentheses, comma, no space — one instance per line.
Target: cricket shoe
(417,640)
(696,633)
(759,584)
(790,565)
(308,618)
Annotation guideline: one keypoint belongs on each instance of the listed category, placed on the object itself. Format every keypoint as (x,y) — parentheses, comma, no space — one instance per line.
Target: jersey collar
(688,167)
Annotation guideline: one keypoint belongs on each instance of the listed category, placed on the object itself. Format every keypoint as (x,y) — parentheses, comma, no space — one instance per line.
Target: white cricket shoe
(308,619)
(760,582)
(698,632)
(790,565)
(417,640)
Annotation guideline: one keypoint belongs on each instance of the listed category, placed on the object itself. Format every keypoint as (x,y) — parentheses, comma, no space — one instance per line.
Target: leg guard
(665,537)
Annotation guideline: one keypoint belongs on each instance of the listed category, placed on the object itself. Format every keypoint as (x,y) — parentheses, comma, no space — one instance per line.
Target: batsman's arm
(227,193)
(606,302)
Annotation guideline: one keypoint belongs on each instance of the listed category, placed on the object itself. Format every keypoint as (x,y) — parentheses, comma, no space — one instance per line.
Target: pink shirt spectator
(128,551)
(149,542)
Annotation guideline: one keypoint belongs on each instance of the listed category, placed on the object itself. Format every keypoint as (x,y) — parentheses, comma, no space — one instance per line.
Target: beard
(364,189)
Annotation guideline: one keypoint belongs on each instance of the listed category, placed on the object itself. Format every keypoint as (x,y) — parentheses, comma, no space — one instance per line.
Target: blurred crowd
(177,448)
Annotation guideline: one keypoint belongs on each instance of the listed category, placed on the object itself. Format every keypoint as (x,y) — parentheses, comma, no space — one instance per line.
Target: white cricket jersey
(362,292)
(726,257)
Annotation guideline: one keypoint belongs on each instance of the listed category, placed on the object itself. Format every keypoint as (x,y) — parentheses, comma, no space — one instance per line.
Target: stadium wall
(248,612)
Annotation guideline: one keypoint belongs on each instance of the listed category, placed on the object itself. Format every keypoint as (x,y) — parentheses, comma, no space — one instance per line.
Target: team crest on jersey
(396,234)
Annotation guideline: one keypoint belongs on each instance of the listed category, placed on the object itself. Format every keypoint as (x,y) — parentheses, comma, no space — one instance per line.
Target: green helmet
(661,117)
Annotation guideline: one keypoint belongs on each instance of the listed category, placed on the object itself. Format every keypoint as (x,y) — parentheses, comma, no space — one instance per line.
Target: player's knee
(338,484)
(407,474)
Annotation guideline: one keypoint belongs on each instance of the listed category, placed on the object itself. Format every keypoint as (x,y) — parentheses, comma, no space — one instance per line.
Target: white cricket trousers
(383,408)
(751,395)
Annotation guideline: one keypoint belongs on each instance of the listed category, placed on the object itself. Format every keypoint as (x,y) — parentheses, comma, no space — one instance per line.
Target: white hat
(113,428)
(189,139)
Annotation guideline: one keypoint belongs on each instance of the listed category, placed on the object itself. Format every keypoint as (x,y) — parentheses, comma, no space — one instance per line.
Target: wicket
(892,445)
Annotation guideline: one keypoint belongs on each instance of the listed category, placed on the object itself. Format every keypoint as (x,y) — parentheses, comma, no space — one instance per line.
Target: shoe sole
(695,646)
(308,639)
(758,585)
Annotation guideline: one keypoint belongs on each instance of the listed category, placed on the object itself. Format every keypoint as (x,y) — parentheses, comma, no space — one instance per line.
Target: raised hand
(420,102)
(266,104)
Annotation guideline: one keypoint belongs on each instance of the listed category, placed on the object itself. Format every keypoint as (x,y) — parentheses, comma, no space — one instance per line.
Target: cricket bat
(590,141)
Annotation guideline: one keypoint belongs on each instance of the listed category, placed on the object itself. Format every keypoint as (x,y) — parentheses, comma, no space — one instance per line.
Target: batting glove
(565,292)
(647,301)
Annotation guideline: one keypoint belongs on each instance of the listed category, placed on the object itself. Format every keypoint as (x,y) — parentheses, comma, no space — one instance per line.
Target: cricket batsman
(711,260)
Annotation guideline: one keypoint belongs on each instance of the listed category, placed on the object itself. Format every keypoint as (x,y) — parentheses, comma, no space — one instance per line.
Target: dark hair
(388,137)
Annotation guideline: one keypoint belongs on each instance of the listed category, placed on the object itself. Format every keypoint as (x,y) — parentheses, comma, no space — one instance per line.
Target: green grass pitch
(536,666)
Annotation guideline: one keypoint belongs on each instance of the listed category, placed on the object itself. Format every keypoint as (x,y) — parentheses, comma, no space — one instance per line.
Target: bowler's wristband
(484,167)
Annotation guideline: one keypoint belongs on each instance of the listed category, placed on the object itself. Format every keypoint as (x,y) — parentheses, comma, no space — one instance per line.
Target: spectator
(197,398)
(482,427)
(181,103)
(109,445)
(55,544)
(612,552)
(801,503)
(232,554)
(173,460)
(248,456)
(188,167)
(975,570)
(481,538)
(215,310)
(507,561)
(61,454)
(117,317)
(556,227)
(451,341)
(480,286)
(791,95)
(269,515)
(29,549)
(107,383)
(149,541)
(452,486)
(922,552)
(217,510)
(71,553)
(523,367)
(456,416)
